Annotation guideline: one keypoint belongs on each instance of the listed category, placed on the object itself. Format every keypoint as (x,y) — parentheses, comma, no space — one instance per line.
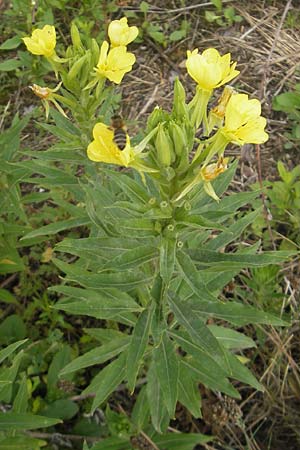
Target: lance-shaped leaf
(123,280)
(167,258)
(227,262)
(180,441)
(10,349)
(141,412)
(130,187)
(233,232)
(166,366)
(97,355)
(240,372)
(106,304)
(107,380)
(19,421)
(138,345)
(192,277)
(159,413)
(188,392)
(209,379)
(132,258)
(199,332)
(231,338)
(233,312)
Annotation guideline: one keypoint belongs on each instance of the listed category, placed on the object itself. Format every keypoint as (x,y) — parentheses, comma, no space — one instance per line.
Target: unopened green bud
(75,69)
(69,52)
(180,110)
(179,138)
(163,204)
(157,116)
(179,244)
(75,36)
(170,227)
(164,147)
(95,52)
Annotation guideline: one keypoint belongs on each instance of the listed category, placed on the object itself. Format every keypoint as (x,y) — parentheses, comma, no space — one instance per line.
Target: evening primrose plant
(157,257)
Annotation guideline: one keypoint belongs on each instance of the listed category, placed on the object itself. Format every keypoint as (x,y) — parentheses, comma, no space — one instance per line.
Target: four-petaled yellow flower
(113,64)
(104,149)
(243,121)
(42,41)
(210,70)
(120,34)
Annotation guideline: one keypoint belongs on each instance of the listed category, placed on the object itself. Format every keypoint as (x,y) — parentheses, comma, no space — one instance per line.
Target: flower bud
(164,147)
(179,138)
(75,36)
(75,69)
(95,51)
(180,110)
(157,116)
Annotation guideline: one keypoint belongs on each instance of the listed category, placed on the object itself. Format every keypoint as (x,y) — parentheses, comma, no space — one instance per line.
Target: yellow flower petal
(42,41)
(104,149)
(243,122)
(120,34)
(113,64)
(210,69)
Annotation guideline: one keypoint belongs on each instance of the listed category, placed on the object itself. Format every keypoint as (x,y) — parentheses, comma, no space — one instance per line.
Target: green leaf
(107,380)
(199,223)
(192,277)
(139,228)
(21,399)
(180,441)
(54,228)
(10,64)
(159,413)
(19,421)
(233,232)
(240,372)
(224,261)
(233,312)
(21,443)
(131,188)
(122,280)
(198,331)
(11,43)
(231,338)
(100,247)
(97,355)
(138,345)
(10,349)
(12,329)
(166,366)
(60,360)
(106,304)
(189,392)
(140,413)
(112,443)
(64,123)
(7,297)
(167,258)
(63,409)
(104,335)
(132,258)
(209,379)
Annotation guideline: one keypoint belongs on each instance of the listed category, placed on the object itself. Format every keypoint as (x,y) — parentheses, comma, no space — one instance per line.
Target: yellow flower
(113,64)
(104,149)
(120,33)
(48,95)
(210,70)
(243,121)
(42,41)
